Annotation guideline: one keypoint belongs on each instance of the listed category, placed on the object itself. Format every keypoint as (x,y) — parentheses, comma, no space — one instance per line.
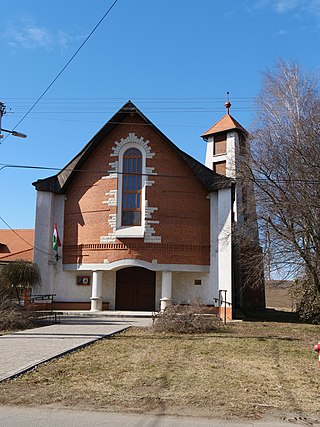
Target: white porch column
(96,298)
(166,290)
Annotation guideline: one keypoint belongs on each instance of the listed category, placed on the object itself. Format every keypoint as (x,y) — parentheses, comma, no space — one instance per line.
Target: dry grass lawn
(244,370)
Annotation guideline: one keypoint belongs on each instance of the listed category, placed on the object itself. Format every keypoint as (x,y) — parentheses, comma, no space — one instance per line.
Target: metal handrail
(42,297)
(221,301)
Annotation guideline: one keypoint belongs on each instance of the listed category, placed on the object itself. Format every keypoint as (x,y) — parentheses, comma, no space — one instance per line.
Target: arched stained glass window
(131,187)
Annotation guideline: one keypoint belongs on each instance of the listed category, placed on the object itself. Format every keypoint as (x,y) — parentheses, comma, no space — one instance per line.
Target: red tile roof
(16,244)
(227,122)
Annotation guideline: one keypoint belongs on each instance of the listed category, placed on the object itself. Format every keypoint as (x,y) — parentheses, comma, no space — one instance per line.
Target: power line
(65,66)
(20,237)
(151,110)
(3,166)
(159,102)
(15,166)
(65,105)
(149,103)
(120,123)
(171,99)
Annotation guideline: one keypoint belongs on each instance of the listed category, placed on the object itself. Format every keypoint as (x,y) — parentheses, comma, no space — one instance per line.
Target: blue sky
(175,59)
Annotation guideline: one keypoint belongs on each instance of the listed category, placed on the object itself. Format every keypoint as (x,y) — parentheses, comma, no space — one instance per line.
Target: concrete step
(106,313)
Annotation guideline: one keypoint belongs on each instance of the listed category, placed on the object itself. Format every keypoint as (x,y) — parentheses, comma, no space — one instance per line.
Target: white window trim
(134,231)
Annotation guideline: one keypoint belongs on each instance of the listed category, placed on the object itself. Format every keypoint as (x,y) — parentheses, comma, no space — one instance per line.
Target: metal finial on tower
(227,103)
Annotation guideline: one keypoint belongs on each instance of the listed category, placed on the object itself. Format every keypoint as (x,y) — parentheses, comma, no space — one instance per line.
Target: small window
(4,248)
(220,168)
(220,144)
(131,187)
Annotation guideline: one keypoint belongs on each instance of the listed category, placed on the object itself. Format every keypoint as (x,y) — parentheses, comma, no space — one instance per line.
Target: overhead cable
(155,175)
(64,67)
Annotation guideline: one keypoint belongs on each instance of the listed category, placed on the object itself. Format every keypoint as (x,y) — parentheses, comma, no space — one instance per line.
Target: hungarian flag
(55,238)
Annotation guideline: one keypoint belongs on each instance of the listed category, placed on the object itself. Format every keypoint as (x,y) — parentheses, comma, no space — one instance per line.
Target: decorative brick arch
(113,196)
(133,138)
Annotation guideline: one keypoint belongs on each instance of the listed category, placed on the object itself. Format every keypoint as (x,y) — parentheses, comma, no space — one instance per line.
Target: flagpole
(56,243)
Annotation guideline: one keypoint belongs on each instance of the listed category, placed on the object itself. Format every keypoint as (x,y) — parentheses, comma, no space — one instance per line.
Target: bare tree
(284,166)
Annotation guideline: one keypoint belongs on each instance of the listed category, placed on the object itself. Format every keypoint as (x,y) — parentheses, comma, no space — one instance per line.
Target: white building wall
(109,288)
(62,280)
(158,289)
(221,215)
(185,291)
(232,144)
(49,209)
(221,242)
(225,242)
(209,152)
(214,247)
(44,207)
(67,289)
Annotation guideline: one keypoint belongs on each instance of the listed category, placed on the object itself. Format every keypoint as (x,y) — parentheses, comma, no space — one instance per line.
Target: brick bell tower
(227,142)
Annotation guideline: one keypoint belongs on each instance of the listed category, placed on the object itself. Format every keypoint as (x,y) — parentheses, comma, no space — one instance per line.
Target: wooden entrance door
(135,289)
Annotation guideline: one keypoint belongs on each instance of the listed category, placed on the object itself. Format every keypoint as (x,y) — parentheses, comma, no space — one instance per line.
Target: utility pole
(12,132)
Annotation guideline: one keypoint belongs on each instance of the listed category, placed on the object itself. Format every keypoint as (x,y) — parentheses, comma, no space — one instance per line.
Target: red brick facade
(182,215)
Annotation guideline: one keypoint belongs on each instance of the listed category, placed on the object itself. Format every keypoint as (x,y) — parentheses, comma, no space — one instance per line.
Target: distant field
(278,296)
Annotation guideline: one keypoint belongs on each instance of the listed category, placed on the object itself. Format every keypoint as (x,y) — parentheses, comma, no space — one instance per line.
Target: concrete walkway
(16,416)
(22,351)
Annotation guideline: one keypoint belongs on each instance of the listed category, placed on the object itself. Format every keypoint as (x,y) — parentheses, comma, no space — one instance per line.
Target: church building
(140,224)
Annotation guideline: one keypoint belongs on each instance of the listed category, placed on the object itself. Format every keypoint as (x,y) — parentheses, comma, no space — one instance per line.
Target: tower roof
(226,123)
